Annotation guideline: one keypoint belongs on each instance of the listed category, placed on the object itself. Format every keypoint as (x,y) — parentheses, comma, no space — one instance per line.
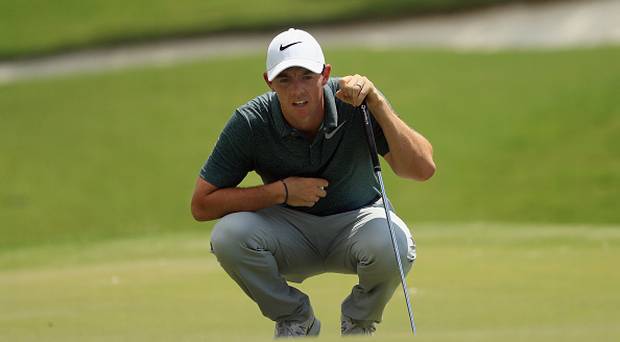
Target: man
(318,210)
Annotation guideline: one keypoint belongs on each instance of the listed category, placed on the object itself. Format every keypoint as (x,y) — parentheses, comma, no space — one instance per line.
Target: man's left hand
(354,90)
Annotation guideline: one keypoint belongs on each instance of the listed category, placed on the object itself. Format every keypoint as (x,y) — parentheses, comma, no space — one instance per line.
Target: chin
(303,111)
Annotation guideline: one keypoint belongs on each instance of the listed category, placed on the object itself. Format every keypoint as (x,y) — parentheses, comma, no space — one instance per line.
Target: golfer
(318,209)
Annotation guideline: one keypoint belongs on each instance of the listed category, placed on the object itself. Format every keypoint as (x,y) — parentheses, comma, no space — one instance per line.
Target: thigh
(366,236)
(280,232)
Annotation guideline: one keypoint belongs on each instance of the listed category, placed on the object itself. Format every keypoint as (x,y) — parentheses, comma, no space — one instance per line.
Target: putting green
(475,282)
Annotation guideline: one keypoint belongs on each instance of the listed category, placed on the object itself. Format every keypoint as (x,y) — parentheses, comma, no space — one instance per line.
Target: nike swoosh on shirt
(333,132)
(282,48)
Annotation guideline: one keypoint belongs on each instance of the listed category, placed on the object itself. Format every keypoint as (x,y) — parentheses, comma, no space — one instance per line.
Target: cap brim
(314,66)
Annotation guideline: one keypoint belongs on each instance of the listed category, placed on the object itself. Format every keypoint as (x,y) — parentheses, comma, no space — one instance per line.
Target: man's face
(300,92)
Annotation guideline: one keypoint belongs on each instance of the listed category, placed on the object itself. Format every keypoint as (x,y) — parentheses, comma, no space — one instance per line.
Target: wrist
(274,192)
(374,98)
(285,195)
(378,106)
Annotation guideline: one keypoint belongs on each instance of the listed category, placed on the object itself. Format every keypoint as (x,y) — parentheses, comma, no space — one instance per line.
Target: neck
(308,125)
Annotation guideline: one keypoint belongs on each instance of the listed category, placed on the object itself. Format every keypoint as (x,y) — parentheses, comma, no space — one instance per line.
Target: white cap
(294,48)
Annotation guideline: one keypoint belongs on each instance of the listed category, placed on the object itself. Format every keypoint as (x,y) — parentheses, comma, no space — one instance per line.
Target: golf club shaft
(377,168)
(396,253)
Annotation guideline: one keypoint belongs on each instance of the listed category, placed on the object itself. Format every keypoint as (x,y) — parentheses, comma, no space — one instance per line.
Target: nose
(297,88)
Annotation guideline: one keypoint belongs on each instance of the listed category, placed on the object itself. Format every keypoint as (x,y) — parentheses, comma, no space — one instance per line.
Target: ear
(267,80)
(326,72)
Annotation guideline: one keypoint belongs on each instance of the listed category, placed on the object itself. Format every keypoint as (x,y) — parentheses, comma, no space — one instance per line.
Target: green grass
(475,282)
(40,26)
(518,137)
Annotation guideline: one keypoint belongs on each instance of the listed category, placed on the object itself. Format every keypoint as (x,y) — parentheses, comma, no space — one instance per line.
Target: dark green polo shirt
(257,138)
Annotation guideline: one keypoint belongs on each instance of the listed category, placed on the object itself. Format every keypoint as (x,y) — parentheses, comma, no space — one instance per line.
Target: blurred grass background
(41,27)
(518,137)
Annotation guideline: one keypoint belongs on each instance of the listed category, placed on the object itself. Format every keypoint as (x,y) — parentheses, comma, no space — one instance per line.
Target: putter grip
(372,145)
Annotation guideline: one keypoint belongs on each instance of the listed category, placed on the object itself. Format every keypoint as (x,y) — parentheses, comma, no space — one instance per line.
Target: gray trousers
(262,250)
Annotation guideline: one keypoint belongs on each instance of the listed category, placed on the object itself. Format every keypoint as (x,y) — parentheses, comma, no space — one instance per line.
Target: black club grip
(370,135)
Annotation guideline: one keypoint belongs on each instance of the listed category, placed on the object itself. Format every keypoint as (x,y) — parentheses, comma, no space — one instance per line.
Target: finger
(344,96)
(365,86)
(320,182)
(360,81)
(362,95)
(341,95)
(343,81)
(352,80)
(362,87)
(322,193)
(353,86)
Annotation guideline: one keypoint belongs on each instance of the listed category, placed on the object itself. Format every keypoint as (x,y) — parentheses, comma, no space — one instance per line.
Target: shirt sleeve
(231,158)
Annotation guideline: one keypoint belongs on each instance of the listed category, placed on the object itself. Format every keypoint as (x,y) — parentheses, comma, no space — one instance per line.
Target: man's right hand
(305,192)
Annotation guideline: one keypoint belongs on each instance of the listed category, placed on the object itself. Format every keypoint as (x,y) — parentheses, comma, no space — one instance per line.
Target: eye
(308,77)
(282,80)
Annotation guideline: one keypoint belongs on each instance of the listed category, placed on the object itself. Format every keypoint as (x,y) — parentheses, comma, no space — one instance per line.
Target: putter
(377,169)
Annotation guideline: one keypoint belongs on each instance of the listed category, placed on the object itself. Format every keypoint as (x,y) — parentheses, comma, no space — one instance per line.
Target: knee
(233,232)
(377,251)
(375,247)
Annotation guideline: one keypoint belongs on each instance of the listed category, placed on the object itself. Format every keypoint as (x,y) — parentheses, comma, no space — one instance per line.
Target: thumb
(342,95)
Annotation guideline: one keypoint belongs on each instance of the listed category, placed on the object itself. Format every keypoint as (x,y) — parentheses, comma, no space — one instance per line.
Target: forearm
(411,154)
(223,201)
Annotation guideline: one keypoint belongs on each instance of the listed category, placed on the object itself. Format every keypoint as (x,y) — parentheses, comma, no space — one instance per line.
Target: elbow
(427,172)
(420,172)
(201,214)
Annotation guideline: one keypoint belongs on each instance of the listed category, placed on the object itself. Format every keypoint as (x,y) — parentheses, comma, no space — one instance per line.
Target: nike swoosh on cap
(282,48)
(333,132)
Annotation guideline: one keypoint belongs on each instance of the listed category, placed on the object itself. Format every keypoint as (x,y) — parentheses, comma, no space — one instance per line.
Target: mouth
(299,103)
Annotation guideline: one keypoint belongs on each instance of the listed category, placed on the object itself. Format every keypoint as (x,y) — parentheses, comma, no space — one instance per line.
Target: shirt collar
(330,121)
